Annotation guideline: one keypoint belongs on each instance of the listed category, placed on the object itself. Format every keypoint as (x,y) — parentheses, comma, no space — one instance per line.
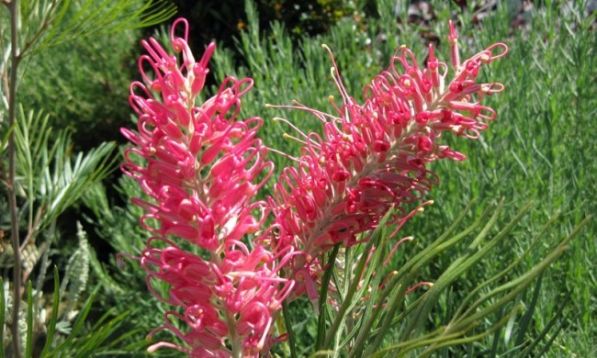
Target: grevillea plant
(228,260)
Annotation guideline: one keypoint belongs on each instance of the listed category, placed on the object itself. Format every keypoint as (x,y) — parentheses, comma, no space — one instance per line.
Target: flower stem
(347,301)
(323,297)
(12,197)
(234,341)
(289,330)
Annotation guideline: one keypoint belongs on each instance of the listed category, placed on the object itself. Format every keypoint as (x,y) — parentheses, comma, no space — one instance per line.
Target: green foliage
(314,16)
(78,342)
(49,180)
(74,55)
(227,19)
(123,280)
(51,22)
(539,151)
(375,306)
(60,335)
(76,273)
(83,86)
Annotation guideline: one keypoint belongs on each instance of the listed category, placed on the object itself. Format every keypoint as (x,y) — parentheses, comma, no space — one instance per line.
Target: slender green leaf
(289,329)
(29,338)
(78,324)
(53,315)
(323,295)
(526,319)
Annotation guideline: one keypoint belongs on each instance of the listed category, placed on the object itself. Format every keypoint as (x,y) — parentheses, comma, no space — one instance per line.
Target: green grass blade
(526,319)
(98,336)
(536,240)
(323,296)
(289,330)
(78,324)
(550,341)
(54,315)
(82,316)
(552,322)
(29,338)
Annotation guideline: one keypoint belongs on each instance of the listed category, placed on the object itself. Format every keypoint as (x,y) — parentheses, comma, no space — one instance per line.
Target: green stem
(12,196)
(234,342)
(29,338)
(351,291)
(289,330)
(323,297)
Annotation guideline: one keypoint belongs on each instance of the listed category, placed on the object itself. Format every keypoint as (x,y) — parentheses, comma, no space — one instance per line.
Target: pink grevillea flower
(374,156)
(201,166)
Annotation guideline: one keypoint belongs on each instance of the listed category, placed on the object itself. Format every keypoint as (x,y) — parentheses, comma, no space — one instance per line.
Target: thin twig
(12,196)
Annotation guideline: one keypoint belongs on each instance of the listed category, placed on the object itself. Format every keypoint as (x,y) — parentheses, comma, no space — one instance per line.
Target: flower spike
(200,167)
(374,156)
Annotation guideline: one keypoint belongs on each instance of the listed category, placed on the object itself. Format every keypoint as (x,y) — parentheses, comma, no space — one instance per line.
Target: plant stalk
(13,7)
(289,330)
(323,297)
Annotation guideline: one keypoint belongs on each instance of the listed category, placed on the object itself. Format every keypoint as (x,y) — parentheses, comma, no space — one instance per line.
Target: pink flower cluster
(374,156)
(202,168)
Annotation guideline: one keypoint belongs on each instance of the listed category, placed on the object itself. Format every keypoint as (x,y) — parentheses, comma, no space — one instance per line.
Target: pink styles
(201,167)
(374,156)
